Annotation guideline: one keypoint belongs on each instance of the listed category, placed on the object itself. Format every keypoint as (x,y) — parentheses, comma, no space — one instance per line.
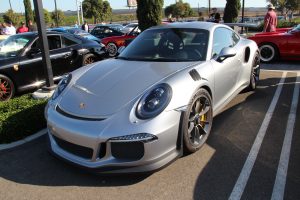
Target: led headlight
(144,137)
(154,101)
(61,86)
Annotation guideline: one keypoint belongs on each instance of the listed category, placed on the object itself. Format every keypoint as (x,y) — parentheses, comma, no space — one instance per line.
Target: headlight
(154,101)
(61,86)
(144,137)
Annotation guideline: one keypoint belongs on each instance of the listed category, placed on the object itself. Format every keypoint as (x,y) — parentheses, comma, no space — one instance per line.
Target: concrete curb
(23,141)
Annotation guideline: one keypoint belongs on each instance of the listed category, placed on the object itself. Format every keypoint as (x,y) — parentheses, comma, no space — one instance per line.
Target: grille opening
(127,150)
(102,151)
(74,149)
(247,54)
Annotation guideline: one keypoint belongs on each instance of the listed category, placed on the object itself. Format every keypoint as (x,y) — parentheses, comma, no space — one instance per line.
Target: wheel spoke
(197,106)
(190,129)
(201,130)
(204,111)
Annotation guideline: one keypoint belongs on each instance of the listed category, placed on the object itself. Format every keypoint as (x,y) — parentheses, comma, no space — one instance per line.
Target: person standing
(215,16)
(270,19)
(23,28)
(85,26)
(76,25)
(9,29)
(31,26)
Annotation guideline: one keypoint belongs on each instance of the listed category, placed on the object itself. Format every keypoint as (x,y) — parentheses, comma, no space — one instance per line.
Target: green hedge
(21,117)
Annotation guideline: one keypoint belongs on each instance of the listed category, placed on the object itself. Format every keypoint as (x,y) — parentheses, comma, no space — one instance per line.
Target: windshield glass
(296,28)
(168,45)
(12,46)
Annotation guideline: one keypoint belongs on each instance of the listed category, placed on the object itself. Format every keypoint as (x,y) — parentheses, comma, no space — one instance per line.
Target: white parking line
(247,168)
(279,186)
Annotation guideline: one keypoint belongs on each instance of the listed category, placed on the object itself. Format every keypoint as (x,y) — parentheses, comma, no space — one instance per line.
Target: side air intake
(195,75)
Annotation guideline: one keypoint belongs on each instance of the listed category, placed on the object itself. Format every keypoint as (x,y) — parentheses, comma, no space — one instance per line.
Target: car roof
(198,25)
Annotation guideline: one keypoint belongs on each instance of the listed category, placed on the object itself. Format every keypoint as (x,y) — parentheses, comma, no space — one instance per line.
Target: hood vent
(195,75)
(59,110)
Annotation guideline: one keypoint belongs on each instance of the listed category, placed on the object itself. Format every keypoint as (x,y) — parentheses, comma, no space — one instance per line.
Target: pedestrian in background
(214,16)
(85,26)
(9,29)
(31,26)
(23,28)
(270,19)
(76,25)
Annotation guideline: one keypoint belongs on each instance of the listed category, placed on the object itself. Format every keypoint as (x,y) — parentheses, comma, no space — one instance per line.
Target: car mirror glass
(225,53)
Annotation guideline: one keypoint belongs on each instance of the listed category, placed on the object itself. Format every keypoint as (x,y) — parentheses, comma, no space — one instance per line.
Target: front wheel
(197,121)
(255,70)
(88,59)
(7,88)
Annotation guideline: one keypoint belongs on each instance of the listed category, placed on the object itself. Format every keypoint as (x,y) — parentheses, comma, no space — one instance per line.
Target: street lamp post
(243,12)
(81,11)
(56,14)
(78,18)
(10,5)
(40,21)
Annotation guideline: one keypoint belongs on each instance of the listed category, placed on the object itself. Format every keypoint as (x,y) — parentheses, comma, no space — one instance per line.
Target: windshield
(296,28)
(168,45)
(12,46)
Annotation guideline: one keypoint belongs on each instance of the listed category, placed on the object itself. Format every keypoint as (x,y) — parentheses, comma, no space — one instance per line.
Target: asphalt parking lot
(252,153)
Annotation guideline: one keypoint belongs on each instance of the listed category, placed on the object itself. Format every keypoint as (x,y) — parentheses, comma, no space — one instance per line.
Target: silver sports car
(152,103)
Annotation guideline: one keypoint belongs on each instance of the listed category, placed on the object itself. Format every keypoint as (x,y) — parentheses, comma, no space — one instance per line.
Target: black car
(21,60)
(103,31)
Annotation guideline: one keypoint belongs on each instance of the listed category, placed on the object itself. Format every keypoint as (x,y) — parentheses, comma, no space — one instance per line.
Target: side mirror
(32,52)
(225,53)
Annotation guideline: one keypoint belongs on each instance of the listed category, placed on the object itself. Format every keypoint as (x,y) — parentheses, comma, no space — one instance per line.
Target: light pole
(10,5)
(243,11)
(81,11)
(78,18)
(56,13)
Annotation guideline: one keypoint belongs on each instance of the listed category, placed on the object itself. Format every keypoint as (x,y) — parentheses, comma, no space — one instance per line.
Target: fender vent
(195,75)
(247,54)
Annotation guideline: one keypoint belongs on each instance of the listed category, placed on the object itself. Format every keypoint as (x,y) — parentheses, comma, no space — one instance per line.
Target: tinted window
(54,42)
(223,37)
(69,41)
(177,44)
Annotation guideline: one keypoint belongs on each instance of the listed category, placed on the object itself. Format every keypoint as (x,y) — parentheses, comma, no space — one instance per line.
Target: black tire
(7,88)
(268,52)
(112,49)
(88,59)
(255,70)
(197,121)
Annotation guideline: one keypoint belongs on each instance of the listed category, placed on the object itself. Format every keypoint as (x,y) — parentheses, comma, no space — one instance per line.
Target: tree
(28,11)
(60,14)
(10,16)
(149,13)
(47,16)
(97,9)
(284,6)
(231,11)
(179,10)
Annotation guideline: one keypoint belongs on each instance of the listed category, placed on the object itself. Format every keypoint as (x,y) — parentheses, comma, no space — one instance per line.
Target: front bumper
(87,143)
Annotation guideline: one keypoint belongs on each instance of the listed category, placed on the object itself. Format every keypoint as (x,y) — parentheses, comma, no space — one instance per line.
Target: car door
(294,44)
(226,71)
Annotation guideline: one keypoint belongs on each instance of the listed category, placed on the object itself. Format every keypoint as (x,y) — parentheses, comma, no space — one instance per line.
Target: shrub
(21,117)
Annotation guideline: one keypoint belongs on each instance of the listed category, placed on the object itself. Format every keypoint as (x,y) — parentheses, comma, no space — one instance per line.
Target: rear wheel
(88,59)
(197,121)
(7,88)
(268,52)
(112,49)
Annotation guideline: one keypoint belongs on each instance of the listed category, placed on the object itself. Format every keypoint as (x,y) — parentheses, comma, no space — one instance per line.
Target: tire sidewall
(188,147)
(272,48)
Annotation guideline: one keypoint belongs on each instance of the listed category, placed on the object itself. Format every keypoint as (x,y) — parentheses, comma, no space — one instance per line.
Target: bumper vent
(75,149)
(127,150)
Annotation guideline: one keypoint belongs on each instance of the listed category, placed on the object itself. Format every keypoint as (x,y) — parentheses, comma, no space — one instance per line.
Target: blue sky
(118,4)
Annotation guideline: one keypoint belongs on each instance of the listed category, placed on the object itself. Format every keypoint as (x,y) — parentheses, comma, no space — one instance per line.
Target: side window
(222,38)
(235,38)
(98,30)
(69,41)
(54,42)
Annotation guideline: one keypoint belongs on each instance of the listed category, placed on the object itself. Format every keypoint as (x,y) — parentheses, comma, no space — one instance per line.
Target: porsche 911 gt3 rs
(156,100)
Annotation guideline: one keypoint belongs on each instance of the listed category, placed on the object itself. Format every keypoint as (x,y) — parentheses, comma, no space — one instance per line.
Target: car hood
(110,85)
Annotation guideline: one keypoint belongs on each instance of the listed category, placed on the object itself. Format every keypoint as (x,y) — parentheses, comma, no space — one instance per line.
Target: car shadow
(233,133)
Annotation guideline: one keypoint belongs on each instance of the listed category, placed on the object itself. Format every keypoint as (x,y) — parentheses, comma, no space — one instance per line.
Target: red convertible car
(115,42)
(280,44)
